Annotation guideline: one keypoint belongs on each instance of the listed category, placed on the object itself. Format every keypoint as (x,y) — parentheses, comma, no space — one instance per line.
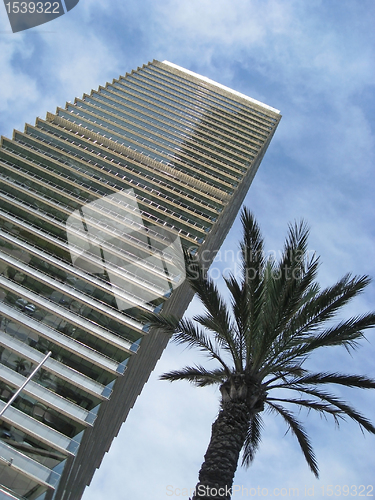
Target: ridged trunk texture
(221,459)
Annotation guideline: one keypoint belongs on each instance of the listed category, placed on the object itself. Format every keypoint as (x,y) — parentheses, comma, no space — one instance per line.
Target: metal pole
(25,383)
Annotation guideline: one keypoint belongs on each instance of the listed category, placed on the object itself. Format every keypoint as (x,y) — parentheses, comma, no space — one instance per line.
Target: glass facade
(98,202)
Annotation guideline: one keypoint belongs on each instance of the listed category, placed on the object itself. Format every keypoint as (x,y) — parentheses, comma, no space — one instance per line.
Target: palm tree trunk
(221,459)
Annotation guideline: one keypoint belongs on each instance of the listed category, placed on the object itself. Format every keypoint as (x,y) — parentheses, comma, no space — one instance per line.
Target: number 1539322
(33,7)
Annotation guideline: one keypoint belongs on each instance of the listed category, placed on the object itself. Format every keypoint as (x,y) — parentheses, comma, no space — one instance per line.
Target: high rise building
(98,202)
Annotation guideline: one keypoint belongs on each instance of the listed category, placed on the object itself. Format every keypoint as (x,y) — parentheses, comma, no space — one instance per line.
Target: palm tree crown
(277,317)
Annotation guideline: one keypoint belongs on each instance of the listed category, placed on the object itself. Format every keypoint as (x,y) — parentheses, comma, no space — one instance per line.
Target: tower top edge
(219,85)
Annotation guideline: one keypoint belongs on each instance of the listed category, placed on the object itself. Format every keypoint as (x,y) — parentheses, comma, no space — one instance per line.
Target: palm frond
(289,285)
(359,381)
(325,305)
(168,324)
(197,375)
(253,439)
(285,371)
(227,339)
(253,264)
(346,333)
(217,318)
(300,434)
(294,274)
(311,404)
(342,405)
(242,315)
(263,336)
(303,333)
(252,248)
(189,334)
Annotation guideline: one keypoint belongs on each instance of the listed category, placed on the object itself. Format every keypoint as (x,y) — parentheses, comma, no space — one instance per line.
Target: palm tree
(277,317)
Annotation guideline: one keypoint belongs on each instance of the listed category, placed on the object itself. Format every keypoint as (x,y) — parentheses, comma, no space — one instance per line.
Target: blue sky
(313,60)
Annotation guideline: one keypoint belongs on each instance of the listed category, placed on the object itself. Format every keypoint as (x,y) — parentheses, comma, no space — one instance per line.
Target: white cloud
(17,89)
